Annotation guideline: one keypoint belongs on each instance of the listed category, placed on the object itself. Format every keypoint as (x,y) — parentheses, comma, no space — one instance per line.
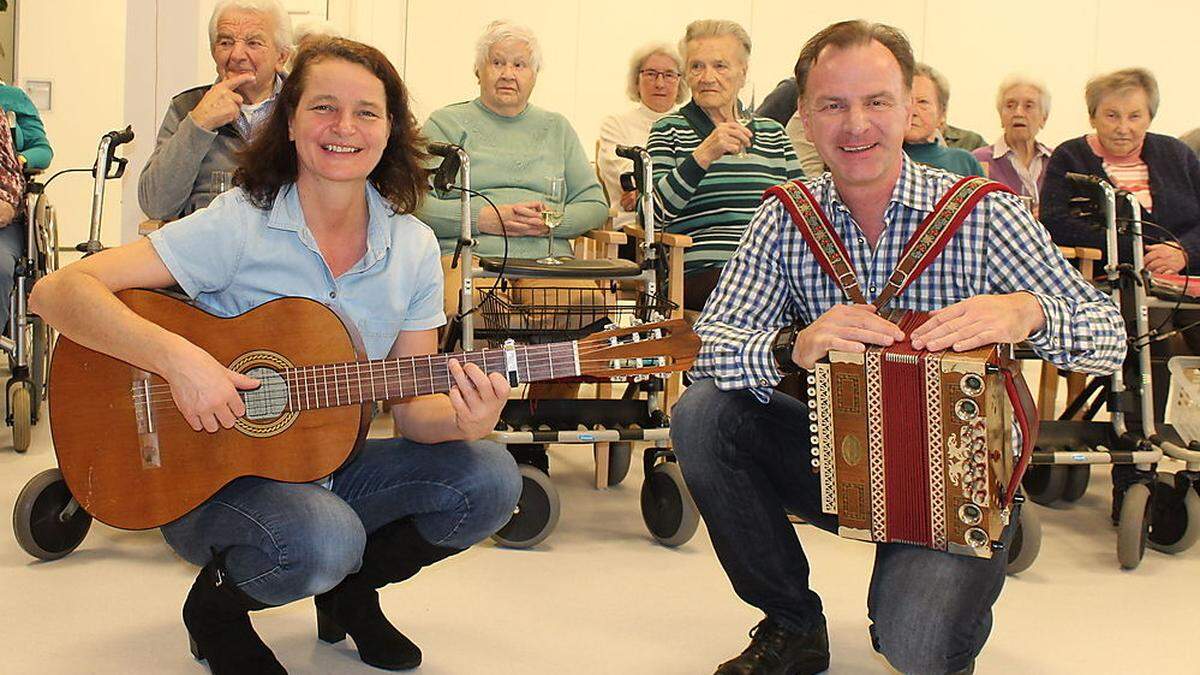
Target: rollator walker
(47,520)
(1161,511)
(548,313)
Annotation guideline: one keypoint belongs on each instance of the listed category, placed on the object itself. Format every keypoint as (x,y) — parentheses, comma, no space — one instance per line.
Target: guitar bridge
(143,408)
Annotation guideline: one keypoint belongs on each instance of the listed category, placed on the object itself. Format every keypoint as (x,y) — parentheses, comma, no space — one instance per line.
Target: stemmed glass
(553,198)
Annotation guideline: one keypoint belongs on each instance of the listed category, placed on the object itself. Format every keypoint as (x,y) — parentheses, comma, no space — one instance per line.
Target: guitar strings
(316,388)
(321,373)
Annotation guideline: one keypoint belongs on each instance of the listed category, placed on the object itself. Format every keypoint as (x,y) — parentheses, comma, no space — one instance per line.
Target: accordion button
(816,462)
(814,449)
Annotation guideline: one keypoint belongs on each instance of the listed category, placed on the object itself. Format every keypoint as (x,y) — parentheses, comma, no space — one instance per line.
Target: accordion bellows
(915,446)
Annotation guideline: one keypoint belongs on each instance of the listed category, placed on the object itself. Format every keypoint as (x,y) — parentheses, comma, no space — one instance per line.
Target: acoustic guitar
(133,462)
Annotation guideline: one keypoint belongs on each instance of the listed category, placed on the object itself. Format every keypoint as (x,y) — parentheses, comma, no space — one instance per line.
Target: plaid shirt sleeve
(1084,330)
(747,308)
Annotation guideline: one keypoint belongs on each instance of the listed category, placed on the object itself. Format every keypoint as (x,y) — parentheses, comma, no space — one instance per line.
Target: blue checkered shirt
(774,280)
(248,126)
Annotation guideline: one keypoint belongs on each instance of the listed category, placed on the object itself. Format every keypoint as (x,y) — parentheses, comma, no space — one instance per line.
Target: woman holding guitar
(322,211)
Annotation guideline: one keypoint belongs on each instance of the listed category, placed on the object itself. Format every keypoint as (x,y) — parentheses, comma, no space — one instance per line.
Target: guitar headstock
(660,347)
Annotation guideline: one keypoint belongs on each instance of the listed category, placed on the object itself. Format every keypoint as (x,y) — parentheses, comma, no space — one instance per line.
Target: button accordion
(916,447)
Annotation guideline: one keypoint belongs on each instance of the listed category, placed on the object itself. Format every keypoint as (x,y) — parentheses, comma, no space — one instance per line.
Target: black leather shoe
(775,650)
(216,616)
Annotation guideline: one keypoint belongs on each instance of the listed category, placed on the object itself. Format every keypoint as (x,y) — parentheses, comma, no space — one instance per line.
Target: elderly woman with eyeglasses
(655,83)
(711,160)
(1017,159)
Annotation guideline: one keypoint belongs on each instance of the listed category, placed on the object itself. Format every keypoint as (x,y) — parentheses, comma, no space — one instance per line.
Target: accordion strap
(1025,411)
(925,244)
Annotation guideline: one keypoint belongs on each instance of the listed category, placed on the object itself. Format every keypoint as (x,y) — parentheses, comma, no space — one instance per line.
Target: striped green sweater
(713,207)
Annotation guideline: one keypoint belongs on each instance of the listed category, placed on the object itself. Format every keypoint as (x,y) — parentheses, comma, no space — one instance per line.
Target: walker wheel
(1044,483)
(619,455)
(20,407)
(47,520)
(1175,515)
(1026,542)
(1133,527)
(667,506)
(536,514)
(1076,483)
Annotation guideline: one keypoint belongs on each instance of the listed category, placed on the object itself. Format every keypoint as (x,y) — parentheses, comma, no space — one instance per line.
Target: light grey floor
(597,597)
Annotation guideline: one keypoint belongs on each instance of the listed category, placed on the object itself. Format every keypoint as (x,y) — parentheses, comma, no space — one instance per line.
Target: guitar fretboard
(352,383)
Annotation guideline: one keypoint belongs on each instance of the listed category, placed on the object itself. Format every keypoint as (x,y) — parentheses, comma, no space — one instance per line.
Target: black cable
(1153,334)
(59,173)
(503,260)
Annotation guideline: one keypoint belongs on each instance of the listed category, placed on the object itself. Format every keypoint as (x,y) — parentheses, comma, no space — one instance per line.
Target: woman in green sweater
(29,135)
(514,148)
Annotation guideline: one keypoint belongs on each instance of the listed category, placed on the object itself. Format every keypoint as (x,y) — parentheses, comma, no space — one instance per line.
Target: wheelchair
(47,520)
(550,312)
(1152,510)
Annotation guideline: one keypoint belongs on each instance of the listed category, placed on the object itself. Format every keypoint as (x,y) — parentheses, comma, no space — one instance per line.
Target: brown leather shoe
(775,650)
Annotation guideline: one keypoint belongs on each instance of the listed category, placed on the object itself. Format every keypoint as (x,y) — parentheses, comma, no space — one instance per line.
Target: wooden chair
(1084,259)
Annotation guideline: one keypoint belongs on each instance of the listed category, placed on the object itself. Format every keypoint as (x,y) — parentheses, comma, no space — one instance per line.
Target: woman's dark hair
(269,161)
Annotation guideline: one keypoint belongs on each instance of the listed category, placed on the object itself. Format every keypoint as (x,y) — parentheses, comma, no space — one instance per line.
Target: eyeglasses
(666,75)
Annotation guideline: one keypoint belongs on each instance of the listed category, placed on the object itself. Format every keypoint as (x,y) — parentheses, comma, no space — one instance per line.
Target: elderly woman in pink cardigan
(1017,159)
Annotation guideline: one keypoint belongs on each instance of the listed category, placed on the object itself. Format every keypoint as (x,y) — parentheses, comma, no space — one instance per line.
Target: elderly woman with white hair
(250,42)
(711,161)
(1017,159)
(514,147)
(655,83)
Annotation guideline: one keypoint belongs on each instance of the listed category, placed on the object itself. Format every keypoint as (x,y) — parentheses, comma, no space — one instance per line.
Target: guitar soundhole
(270,399)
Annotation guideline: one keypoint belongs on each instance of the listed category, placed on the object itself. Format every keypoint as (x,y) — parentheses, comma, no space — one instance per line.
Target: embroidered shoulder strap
(926,243)
(824,241)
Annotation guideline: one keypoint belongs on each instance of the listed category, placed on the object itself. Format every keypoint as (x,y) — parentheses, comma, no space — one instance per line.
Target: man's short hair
(271,8)
(940,83)
(853,33)
(1129,78)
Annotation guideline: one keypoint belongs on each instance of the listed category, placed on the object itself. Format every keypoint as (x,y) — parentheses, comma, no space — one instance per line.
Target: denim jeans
(748,465)
(286,541)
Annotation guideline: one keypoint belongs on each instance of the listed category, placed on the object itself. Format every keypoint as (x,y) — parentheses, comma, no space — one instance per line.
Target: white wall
(103,80)
(80,46)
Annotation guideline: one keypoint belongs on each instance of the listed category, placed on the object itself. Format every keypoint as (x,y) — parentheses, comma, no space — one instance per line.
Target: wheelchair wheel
(619,454)
(1175,515)
(1026,541)
(536,514)
(1076,483)
(1133,526)
(20,407)
(1044,483)
(47,520)
(667,506)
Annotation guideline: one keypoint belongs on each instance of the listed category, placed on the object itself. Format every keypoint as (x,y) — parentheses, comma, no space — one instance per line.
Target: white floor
(598,596)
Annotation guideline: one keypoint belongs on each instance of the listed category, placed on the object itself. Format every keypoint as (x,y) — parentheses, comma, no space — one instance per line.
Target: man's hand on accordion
(979,321)
(847,328)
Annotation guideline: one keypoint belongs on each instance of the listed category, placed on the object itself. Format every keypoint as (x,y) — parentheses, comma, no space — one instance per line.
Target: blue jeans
(12,247)
(748,465)
(287,541)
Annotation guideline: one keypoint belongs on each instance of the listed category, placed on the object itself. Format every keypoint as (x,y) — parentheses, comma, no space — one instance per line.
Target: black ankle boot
(394,553)
(775,650)
(215,614)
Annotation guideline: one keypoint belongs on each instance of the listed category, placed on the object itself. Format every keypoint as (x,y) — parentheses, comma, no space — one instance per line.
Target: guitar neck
(341,384)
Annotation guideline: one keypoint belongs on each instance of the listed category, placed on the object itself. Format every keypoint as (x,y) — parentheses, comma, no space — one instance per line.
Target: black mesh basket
(548,313)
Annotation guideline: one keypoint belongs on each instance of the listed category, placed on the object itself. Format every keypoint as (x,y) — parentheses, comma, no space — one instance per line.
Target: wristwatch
(781,349)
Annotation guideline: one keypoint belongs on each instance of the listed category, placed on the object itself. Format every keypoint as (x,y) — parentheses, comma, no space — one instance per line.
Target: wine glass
(745,118)
(553,198)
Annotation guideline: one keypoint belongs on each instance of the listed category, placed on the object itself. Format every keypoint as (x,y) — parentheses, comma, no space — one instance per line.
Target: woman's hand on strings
(477,399)
(205,391)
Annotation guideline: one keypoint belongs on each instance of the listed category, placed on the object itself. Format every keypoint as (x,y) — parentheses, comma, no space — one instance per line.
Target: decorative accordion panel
(914,447)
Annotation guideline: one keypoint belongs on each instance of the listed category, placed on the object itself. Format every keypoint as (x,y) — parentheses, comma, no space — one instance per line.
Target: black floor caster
(47,520)
(536,514)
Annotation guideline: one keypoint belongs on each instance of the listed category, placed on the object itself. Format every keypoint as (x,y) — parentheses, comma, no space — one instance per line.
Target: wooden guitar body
(109,443)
